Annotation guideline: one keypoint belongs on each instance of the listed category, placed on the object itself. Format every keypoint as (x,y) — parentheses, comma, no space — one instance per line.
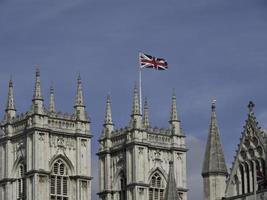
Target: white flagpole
(140,84)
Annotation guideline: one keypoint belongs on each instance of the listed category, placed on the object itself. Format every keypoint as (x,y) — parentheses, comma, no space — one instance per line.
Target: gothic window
(59,182)
(156,189)
(21,183)
(122,186)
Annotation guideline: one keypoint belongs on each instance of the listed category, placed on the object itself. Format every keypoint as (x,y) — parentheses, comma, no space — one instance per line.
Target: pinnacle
(174,115)
(146,115)
(108,115)
(37,89)
(214,161)
(52,100)
(136,103)
(79,95)
(171,190)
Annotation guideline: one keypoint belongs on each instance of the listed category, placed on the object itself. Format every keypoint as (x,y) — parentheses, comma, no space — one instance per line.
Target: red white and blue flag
(148,61)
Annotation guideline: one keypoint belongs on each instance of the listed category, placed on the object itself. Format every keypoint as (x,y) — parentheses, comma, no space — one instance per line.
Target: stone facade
(45,154)
(134,161)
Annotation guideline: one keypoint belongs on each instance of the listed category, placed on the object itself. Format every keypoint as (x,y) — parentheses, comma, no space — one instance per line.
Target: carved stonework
(42,179)
(140,150)
(41,136)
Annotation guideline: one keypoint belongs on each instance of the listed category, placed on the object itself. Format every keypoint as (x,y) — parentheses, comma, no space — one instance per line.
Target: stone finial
(136,103)
(52,107)
(146,123)
(10,108)
(108,115)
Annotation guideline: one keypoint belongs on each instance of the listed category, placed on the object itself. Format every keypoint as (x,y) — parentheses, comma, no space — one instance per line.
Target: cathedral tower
(214,170)
(45,154)
(134,162)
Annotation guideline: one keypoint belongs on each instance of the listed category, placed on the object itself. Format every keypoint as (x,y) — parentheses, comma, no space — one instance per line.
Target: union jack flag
(148,61)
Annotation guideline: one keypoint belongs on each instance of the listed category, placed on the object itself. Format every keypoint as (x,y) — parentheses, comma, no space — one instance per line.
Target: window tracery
(59,181)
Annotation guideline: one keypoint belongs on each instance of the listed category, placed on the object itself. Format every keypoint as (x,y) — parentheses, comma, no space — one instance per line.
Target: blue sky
(215,49)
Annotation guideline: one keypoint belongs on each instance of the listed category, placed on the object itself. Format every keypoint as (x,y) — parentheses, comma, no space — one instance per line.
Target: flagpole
(140,85)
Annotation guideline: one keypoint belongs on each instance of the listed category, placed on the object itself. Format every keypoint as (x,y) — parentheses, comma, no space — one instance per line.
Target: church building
(45,154)
(247,176)
(140,162)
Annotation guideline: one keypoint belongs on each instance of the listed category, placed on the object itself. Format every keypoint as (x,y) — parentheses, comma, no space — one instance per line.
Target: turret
(146,123)
(174,119)
(108,123)
(136,117)
(214,170)
(79,102)
(10,111)
(52,107)
(171,188)
(37,99)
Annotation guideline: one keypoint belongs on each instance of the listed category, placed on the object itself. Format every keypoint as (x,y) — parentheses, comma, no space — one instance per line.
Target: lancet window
(59,181)
(122,192)
(21,183)
(156,189)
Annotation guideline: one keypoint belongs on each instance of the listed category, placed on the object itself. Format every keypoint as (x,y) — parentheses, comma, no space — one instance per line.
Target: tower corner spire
(136,117)
(10,111)
(174,119)
(52,106)
(79,101)
(37,99)
(146,122)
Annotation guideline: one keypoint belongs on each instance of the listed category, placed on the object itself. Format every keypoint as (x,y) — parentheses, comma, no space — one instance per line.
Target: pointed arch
(160,171)
(65,159)
(157,185)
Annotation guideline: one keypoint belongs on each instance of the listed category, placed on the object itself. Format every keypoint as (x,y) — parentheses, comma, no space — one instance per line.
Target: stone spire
(37,98)
(37,89)
(146,123)
(171,190)
(52,107)
(108,115)
(214,162)
(136,118)
(136,103)
(108,123)
(10,108)
(79,102)
(174,119)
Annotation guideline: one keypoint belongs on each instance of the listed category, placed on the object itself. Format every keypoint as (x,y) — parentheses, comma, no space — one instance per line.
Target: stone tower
(134,161)
(214,170)
(45,154)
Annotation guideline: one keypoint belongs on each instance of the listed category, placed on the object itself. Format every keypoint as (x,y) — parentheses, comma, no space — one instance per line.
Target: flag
(148,61)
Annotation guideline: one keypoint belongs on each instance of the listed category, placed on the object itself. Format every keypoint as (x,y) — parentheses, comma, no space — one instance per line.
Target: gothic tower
(45,154)
(134,162)
(214,170)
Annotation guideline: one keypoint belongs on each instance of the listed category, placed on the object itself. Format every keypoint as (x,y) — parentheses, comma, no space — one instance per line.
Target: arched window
(59,181)
(156,189)
(21,183)
(122,186)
